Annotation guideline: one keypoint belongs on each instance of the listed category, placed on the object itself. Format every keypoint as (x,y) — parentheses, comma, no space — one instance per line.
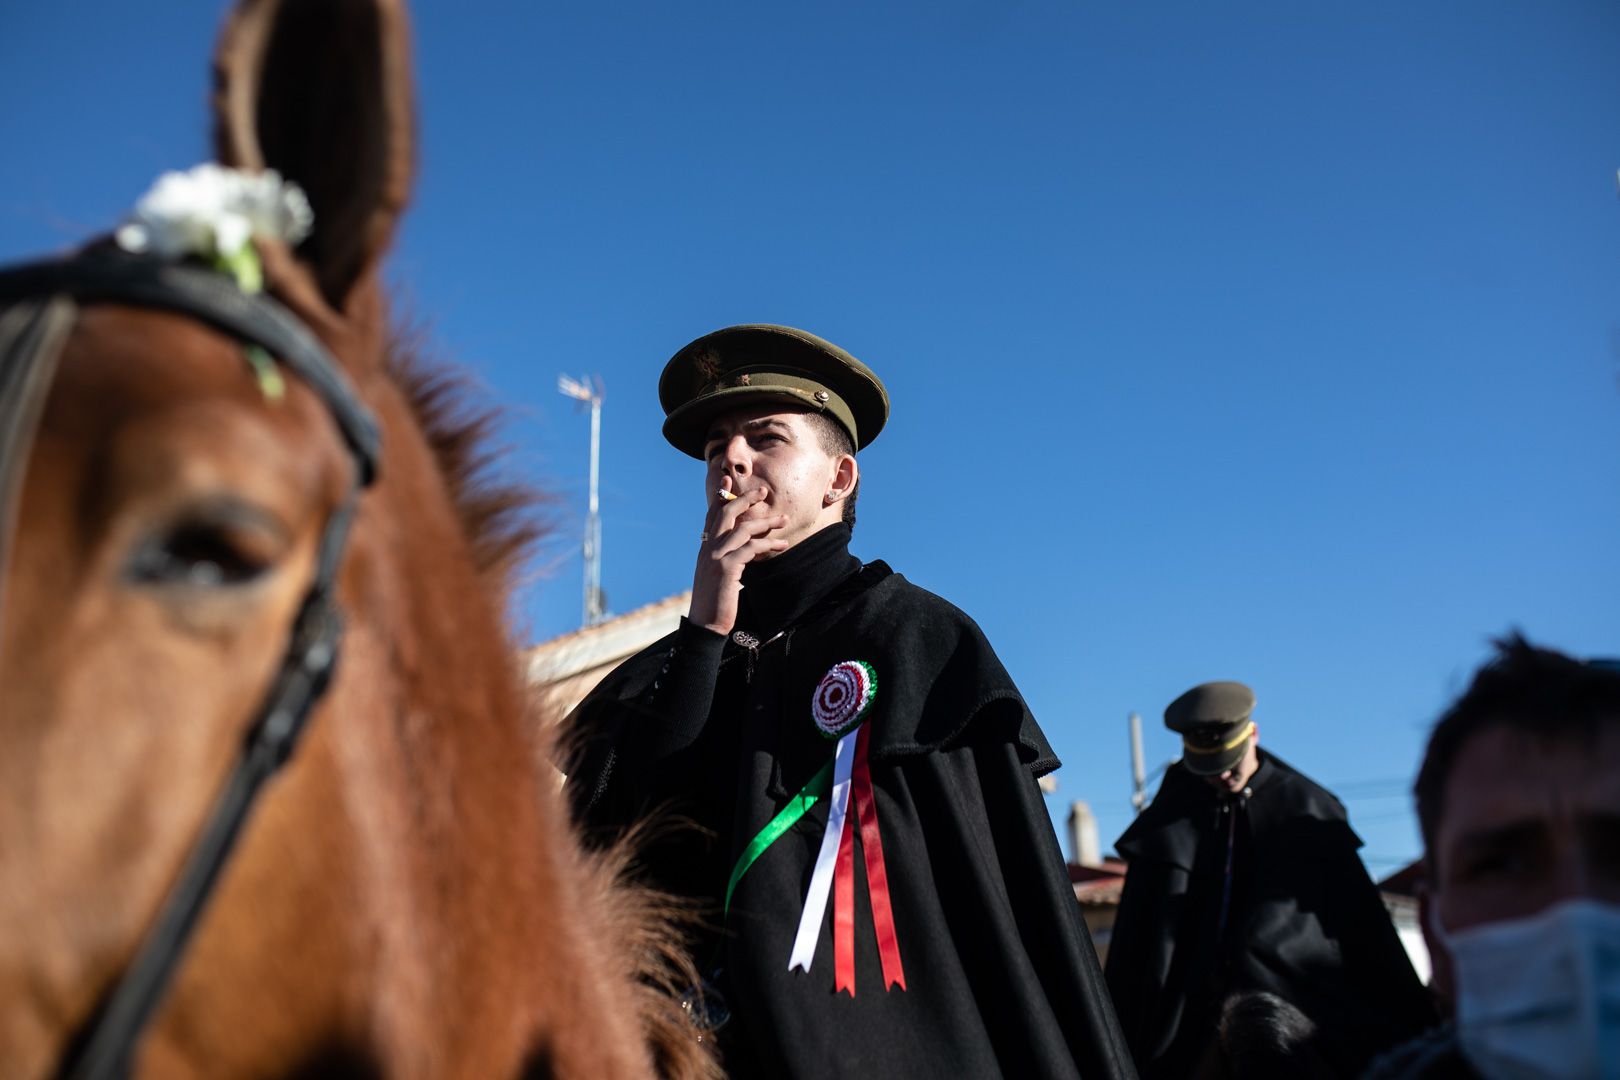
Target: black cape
(1304,922)
(1001,978)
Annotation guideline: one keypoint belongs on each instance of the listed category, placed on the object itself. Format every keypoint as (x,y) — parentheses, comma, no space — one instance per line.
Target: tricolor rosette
(844,697)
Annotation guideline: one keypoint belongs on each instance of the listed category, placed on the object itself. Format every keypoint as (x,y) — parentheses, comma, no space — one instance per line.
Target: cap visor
(1213,764)
(687,428)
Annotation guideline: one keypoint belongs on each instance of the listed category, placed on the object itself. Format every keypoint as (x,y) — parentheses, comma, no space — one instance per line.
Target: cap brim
(1214,764)
(687,428)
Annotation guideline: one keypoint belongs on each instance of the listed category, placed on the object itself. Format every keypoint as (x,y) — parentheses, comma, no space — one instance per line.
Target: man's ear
(846,473)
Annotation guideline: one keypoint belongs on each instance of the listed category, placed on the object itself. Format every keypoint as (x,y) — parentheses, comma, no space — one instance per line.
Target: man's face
(1238,776)
(779,450)
(1525,824)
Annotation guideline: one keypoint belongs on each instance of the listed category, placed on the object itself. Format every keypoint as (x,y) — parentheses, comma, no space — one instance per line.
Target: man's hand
(735,539)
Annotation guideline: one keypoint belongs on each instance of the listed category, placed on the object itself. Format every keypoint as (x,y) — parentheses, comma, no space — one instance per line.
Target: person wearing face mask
(1243,879)
(1518,799)
(881,887)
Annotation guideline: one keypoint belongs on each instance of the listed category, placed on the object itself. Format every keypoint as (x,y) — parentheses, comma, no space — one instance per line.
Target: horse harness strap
(213,298)
(41,299)
(31,334)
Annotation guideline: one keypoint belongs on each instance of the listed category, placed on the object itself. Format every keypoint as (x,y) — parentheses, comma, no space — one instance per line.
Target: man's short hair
(1540,692)
(835,441)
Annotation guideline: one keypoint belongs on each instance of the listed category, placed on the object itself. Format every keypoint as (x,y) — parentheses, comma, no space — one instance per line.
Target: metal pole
(595,609)
(595,606)
(1138,779)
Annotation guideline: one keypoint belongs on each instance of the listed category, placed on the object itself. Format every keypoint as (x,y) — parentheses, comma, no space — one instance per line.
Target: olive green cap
(755,363)
(1214,721)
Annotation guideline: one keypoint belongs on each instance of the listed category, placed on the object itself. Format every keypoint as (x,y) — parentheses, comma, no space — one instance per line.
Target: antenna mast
(1138,780)
(589,391)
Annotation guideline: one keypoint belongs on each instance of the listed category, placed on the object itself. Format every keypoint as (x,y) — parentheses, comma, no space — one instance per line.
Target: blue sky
(1266,341)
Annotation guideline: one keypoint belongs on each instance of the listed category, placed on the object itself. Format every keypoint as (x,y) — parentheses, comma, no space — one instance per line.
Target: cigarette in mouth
(726,495)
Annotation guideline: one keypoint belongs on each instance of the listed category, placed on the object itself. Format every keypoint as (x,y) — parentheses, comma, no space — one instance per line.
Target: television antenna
(588,391)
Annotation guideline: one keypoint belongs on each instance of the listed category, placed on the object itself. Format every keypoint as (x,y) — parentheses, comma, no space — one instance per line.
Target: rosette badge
(844,697)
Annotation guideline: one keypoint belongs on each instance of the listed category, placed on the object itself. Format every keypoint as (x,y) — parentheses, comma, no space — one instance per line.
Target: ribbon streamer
(821,878)
(877,874)
(784,820)
(852,800)
(844,905)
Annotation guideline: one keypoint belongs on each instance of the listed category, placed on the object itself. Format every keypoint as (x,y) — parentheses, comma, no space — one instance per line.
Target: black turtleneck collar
(778,590)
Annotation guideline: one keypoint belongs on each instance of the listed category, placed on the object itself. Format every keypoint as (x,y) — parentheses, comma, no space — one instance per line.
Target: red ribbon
(877,883)
(877,875)
(844,905)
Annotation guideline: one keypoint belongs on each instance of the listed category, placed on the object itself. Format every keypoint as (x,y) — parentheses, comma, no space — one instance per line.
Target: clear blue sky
(1277,342)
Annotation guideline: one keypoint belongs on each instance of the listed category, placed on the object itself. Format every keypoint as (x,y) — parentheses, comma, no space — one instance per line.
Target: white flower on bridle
(212,212)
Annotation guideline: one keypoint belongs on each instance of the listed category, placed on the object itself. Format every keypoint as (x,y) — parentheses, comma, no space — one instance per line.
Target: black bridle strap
(108,274)
(105,1048)
(306,669)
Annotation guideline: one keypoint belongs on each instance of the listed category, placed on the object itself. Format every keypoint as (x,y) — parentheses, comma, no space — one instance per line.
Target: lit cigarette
(726,495)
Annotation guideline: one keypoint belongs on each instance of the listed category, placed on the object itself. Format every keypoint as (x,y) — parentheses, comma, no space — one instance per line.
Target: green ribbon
(265,373)
(246,268)
(784,820)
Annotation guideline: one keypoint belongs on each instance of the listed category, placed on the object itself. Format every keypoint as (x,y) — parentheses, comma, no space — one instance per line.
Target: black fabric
(1434,1055)
(1305,922)
(1001,976)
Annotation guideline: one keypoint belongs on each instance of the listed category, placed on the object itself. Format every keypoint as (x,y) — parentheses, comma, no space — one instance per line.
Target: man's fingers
(729,512)
(728,542)
(746,530)
(754,548)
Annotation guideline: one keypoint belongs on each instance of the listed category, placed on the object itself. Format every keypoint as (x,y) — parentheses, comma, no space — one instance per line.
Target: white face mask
(1540,997)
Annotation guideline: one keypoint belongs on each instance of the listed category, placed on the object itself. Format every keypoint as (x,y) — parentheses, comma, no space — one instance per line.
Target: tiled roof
(1098,886)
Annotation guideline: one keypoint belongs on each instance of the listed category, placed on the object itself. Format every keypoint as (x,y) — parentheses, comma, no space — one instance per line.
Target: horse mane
(652,927)
(502,519)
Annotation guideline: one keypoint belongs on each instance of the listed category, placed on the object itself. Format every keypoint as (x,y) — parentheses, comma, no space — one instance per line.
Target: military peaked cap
(757,363)
(1214,721)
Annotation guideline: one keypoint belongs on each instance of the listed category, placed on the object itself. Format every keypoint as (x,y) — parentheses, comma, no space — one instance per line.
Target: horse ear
(320,91)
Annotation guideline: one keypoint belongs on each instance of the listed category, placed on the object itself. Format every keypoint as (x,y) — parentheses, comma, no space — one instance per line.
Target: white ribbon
(821,879)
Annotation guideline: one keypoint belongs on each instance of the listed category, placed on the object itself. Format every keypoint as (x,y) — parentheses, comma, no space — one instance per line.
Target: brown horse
(407,899)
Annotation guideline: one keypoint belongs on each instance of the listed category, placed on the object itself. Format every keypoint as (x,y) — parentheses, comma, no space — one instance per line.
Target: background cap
(1214,722)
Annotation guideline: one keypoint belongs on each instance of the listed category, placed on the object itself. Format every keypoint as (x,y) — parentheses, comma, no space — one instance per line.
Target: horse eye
(200,554)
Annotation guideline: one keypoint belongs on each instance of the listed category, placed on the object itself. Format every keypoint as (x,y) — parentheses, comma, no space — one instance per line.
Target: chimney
(1083,847)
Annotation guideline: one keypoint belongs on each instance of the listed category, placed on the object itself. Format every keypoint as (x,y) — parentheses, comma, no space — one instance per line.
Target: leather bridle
(38,304)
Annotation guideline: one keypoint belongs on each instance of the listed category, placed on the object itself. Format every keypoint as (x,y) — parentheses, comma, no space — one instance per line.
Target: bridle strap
(31,334)
(305,672)
(115,276)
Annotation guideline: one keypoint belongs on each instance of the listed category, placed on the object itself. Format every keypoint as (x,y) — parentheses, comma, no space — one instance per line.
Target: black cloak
(1303,921)
(1001,978)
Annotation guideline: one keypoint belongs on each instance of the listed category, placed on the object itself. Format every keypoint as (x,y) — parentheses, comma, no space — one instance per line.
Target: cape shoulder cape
(936,670)
(1289,814)
(1001,975)
(1312,930)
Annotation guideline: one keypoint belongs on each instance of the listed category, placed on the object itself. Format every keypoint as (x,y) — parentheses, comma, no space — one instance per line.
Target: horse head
(405,898)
